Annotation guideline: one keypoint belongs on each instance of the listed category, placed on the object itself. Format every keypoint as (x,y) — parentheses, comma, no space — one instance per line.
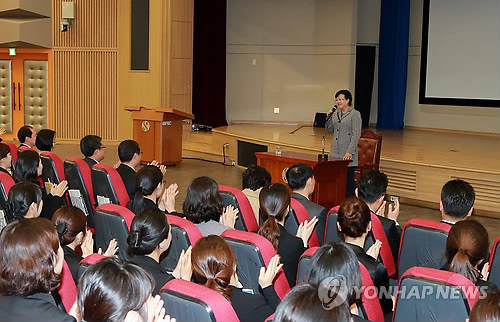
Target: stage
(417,162)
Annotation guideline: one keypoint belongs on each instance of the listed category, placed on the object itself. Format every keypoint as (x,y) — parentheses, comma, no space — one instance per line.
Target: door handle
(19,95)
(14,96)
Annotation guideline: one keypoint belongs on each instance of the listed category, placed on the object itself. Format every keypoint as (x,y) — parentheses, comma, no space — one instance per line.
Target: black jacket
(378,273)
(250,307)
(91,162)
(73,260)
(314,210)
(149,204)
(128,177)
(50,204)
(154,268)
(392,232)
(39,307)
(290,248)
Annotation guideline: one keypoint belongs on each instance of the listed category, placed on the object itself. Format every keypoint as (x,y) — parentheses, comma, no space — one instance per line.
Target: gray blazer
(346,130)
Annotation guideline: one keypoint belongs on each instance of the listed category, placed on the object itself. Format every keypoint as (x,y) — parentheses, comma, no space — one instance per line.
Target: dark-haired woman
(45,140)
(486,309)
(304,304)
(467,253)
(31,263)
(24,201)
(214,266)
(150,192)
(354,220)
(71,227)
(5,159)
(274,201)
(204,207)
(113,290)
(148,239)
(29,169)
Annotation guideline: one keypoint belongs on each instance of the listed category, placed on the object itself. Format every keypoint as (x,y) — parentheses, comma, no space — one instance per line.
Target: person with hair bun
(304,304)
(71,227)
(354,221)
(149,237)
(274,201)
(486,309)
(467,252)
(31,262)
(214,266)
(114,290)
(150,192)
(24,201)
(204,207)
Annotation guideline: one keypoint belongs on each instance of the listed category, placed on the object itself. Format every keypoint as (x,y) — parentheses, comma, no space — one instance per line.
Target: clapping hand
(485,271)
(59,190)
(266,276)
(111,250)
(183,269)
(87,245)
(167,201)
(156,310)
(374,249)
(305,230)
(229,216)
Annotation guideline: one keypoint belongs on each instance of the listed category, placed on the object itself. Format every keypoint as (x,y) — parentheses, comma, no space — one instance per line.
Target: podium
(159,133)
(330,175)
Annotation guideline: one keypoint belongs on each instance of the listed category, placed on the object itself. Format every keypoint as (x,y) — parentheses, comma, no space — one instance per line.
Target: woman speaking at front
(345,123)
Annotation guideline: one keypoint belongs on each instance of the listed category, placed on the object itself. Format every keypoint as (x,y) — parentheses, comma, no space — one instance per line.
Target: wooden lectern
(159,133)
(330,175)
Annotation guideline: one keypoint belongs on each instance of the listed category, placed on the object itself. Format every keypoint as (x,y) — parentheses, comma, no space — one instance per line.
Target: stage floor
(417,162)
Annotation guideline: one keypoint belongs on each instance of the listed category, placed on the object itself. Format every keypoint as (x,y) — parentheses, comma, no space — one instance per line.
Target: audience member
(467,252)
(29,169)
(372,187)
(204,207)
(27,137)
(304,304)
(486,309)
(457,201)
(129,154)
(45,140)
(114,290)
(214,266)
(354,220)
(149,237)
(5,159)
(31,263)
(252,181)
(92,149)
(24,201)
(71,227)
(300,178)
(150,192)
(274,202)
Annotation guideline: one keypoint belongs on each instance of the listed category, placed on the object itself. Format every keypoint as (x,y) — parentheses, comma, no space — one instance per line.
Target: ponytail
(220,286)
(61,229)
(271,231)
(137,205)
(461,264)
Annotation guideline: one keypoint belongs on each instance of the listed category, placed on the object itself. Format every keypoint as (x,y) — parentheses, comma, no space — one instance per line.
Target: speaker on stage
(363,88)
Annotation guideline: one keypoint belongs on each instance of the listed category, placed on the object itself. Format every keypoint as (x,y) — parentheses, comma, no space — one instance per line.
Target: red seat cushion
(302,215)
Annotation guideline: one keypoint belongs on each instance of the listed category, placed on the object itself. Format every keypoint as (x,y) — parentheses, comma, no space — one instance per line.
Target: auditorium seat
(494,276)
(305,264)
(369,147)
(423,243)
(24,148)
(53,168)
(297,215)
(184,234)
(385,255)
(89,260)
(331,229)
(371,309)
(108,185)
(234,197)
(253,252)
(113,221)
(187,301)
(80,189)
(427,294)
(13,152)
(67,289)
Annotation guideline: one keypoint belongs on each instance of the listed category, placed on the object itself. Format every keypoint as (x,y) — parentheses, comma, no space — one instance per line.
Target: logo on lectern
(145,126)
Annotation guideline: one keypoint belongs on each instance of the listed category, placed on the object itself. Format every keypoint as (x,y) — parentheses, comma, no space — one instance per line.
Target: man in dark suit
(372,187)
(27,137)
(130,157)
(457,201)
(92,149)
(300,178)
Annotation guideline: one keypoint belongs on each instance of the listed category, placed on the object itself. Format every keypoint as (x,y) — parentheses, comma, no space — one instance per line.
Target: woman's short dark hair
(255,177)
(147,231)
(111,288)
(274,200)
(45,139)
(347,95)
(69,222)
(486,309)
(27,166)
(336,259)
(302,303)
(4,150)
(20,198)
(28,256)
(147,180)
(354,217)
(203,201)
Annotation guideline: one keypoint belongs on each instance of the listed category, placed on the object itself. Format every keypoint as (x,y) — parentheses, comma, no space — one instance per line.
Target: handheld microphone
(334,108)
